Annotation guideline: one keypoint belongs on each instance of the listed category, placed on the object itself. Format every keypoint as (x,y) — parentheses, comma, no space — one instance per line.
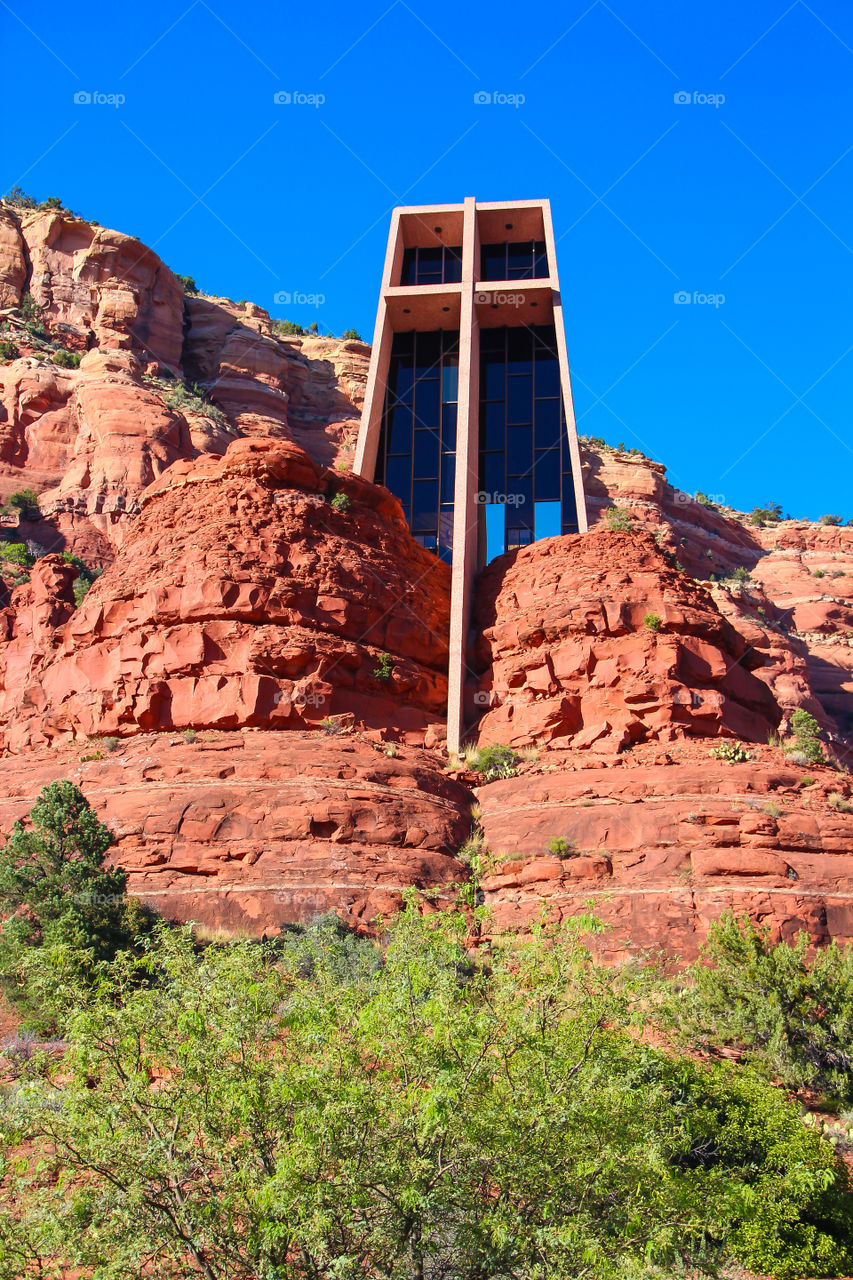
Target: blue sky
(746,200)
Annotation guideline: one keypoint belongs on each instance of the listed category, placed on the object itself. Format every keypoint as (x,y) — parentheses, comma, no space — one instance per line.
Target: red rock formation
(243,597)
(663,844)
(569,650)
(249,831)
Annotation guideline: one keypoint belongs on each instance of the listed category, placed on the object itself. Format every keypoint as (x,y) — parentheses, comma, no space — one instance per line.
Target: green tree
(58,895)
(807,735)
(352,334)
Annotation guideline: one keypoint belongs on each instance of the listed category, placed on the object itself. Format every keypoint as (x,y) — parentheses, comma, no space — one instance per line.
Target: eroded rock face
(250,831)
(244,597)
(596,639)
(661,845)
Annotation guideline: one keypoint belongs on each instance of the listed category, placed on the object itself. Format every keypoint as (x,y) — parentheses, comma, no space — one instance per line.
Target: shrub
(495,762)
(332,726)
(384,668)
(652,622)
(839,803)
(831,519)
(740,574)
(817,573)
(353,335)
(771,514)
(703,499)
(340,502)
(731,752)
(288,329)
(322,1110)
(806,735)
(26,501)
(189,285)
(20,199)
(66,359)
(16,553)
(32,314)
(560,847)
(618,520)
(790,1014)
(85,576)
(8,350)
(189,735)
(190,398)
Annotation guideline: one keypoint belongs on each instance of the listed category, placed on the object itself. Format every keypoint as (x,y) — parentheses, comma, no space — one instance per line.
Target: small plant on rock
(340,502)
(352,335)
(806,734)
(66,359)
(652,622)
(16,553)
(495,762)
(618,520)
(26,501)
(830,519)
(561,847)
(384,668)
(8,350)
(731,752)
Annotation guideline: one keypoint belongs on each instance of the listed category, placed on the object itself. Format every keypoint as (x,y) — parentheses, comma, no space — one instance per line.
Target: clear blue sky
(749,198)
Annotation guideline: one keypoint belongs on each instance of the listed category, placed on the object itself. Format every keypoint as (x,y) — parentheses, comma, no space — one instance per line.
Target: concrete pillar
(465,507)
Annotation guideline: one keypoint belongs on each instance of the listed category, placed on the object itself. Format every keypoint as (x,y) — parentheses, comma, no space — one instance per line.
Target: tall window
(417,449)
(439,265)
(526,478)
(514,260)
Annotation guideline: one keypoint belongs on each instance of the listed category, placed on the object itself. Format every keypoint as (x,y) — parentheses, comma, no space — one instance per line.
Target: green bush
(830,520)
(806,736)
(771,514)
(190,398)
(32,315)
(188,283)
(340,502)
(618,520)
(85,576)
(652,622)
(353,335)
(288,329)
(26,501)
(66,359)
(384,668)
(791,1015)
(8,350)
(561,847)
(495,762)
(319,1110)
(731,752)
(16,553)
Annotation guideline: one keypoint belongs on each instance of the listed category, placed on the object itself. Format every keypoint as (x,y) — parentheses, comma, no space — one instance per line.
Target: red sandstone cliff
(240,601)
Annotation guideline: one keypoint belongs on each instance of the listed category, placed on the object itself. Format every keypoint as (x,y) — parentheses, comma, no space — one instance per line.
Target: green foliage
(495,762)
(340,502)
(740,574)
(652,622)
(85,576)
(384,668)
(66,359)
(16,553)
(771,514)
(333,726)
(561,847)
(20,199)
(32,314)
(59,897)
(307,1111)
(353,335)
(806,735)
(703,499)
(791,1016)
(188,283)
(731,752)
(189,398)
(618,520)
(288,329)
(26,501)
(8,350)
(830,519)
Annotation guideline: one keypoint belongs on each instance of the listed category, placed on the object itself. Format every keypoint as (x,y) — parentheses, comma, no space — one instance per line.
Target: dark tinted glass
(448,426)
(448,475)
(425,506)
(494,472)
(519,399)
(519,450)
(398,477)
(548,425)
(493,425)
(426,454)
(519,347)
(493,262)
(401,378)
(546,475)
(540,260)
(493,377)
(400,429)
(452,266)
(547,374)
(427,399)
(407,275)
